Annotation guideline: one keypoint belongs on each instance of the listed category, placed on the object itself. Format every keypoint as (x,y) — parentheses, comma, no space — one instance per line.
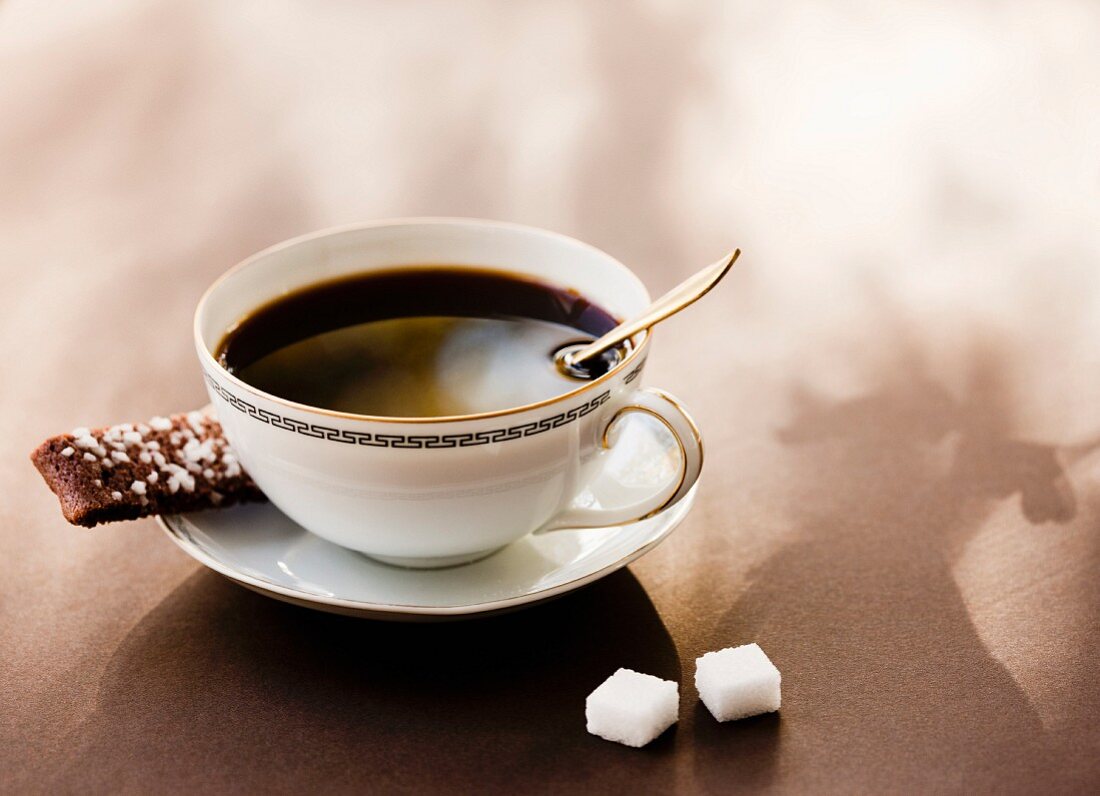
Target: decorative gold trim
(679,442)
(465,439)
(640,341)
(696,434)
(172,526)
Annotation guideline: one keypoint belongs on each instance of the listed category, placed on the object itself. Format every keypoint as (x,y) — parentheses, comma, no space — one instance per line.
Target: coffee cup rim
(638,341)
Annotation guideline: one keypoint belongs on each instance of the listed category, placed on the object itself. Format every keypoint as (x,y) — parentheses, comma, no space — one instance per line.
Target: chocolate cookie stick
(165,466)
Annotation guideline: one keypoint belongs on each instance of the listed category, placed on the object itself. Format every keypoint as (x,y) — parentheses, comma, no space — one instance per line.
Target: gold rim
(679,442)
(696,433)
(169,524)
(639,341)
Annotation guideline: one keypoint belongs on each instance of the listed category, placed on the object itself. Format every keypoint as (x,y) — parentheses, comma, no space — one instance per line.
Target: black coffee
(416,342)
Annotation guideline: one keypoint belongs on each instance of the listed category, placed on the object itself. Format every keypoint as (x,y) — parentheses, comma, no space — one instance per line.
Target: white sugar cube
(632,708)
(737,682)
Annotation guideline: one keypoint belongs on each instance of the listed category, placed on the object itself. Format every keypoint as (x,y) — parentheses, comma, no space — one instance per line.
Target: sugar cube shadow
(465,705)
(735,756)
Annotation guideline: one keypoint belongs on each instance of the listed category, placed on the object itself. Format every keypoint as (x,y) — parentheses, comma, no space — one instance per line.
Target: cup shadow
(220,688)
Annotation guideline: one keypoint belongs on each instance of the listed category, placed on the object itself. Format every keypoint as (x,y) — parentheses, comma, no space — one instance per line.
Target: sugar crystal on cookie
(132,470)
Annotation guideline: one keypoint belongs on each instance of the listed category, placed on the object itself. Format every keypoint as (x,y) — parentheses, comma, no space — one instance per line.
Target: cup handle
(665,408)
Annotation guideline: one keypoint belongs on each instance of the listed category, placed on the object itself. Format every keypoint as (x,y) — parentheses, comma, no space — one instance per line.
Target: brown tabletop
(899,385)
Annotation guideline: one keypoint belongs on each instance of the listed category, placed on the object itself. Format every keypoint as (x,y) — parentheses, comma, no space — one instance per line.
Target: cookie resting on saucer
(167,465)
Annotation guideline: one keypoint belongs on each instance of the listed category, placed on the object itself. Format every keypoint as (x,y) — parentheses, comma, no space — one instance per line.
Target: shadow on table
(734,756)
(220,688)
(886,683)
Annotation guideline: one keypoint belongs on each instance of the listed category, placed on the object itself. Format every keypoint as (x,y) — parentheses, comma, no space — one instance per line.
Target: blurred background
(878,162)
(903,367)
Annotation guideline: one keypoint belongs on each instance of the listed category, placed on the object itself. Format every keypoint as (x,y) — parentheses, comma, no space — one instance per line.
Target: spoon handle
(684,294)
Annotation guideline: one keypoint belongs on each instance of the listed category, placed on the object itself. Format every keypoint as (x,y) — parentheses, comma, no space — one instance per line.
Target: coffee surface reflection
(415,342)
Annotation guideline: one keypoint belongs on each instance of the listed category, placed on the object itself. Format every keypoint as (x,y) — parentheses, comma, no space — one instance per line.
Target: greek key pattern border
(467,440)
(414,441)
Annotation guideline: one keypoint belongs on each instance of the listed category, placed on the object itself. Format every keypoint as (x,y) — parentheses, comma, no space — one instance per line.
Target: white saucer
(262,549)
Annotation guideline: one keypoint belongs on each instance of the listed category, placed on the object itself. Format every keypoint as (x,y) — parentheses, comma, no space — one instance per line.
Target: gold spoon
(686,293)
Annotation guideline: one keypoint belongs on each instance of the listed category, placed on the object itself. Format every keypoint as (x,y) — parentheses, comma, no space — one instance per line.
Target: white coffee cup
(439,491)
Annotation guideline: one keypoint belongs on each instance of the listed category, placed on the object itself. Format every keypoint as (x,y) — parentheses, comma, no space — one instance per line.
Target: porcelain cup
(441,491)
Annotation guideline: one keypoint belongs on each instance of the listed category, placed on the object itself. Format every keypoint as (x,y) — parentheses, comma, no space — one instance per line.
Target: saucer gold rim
(176,531)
